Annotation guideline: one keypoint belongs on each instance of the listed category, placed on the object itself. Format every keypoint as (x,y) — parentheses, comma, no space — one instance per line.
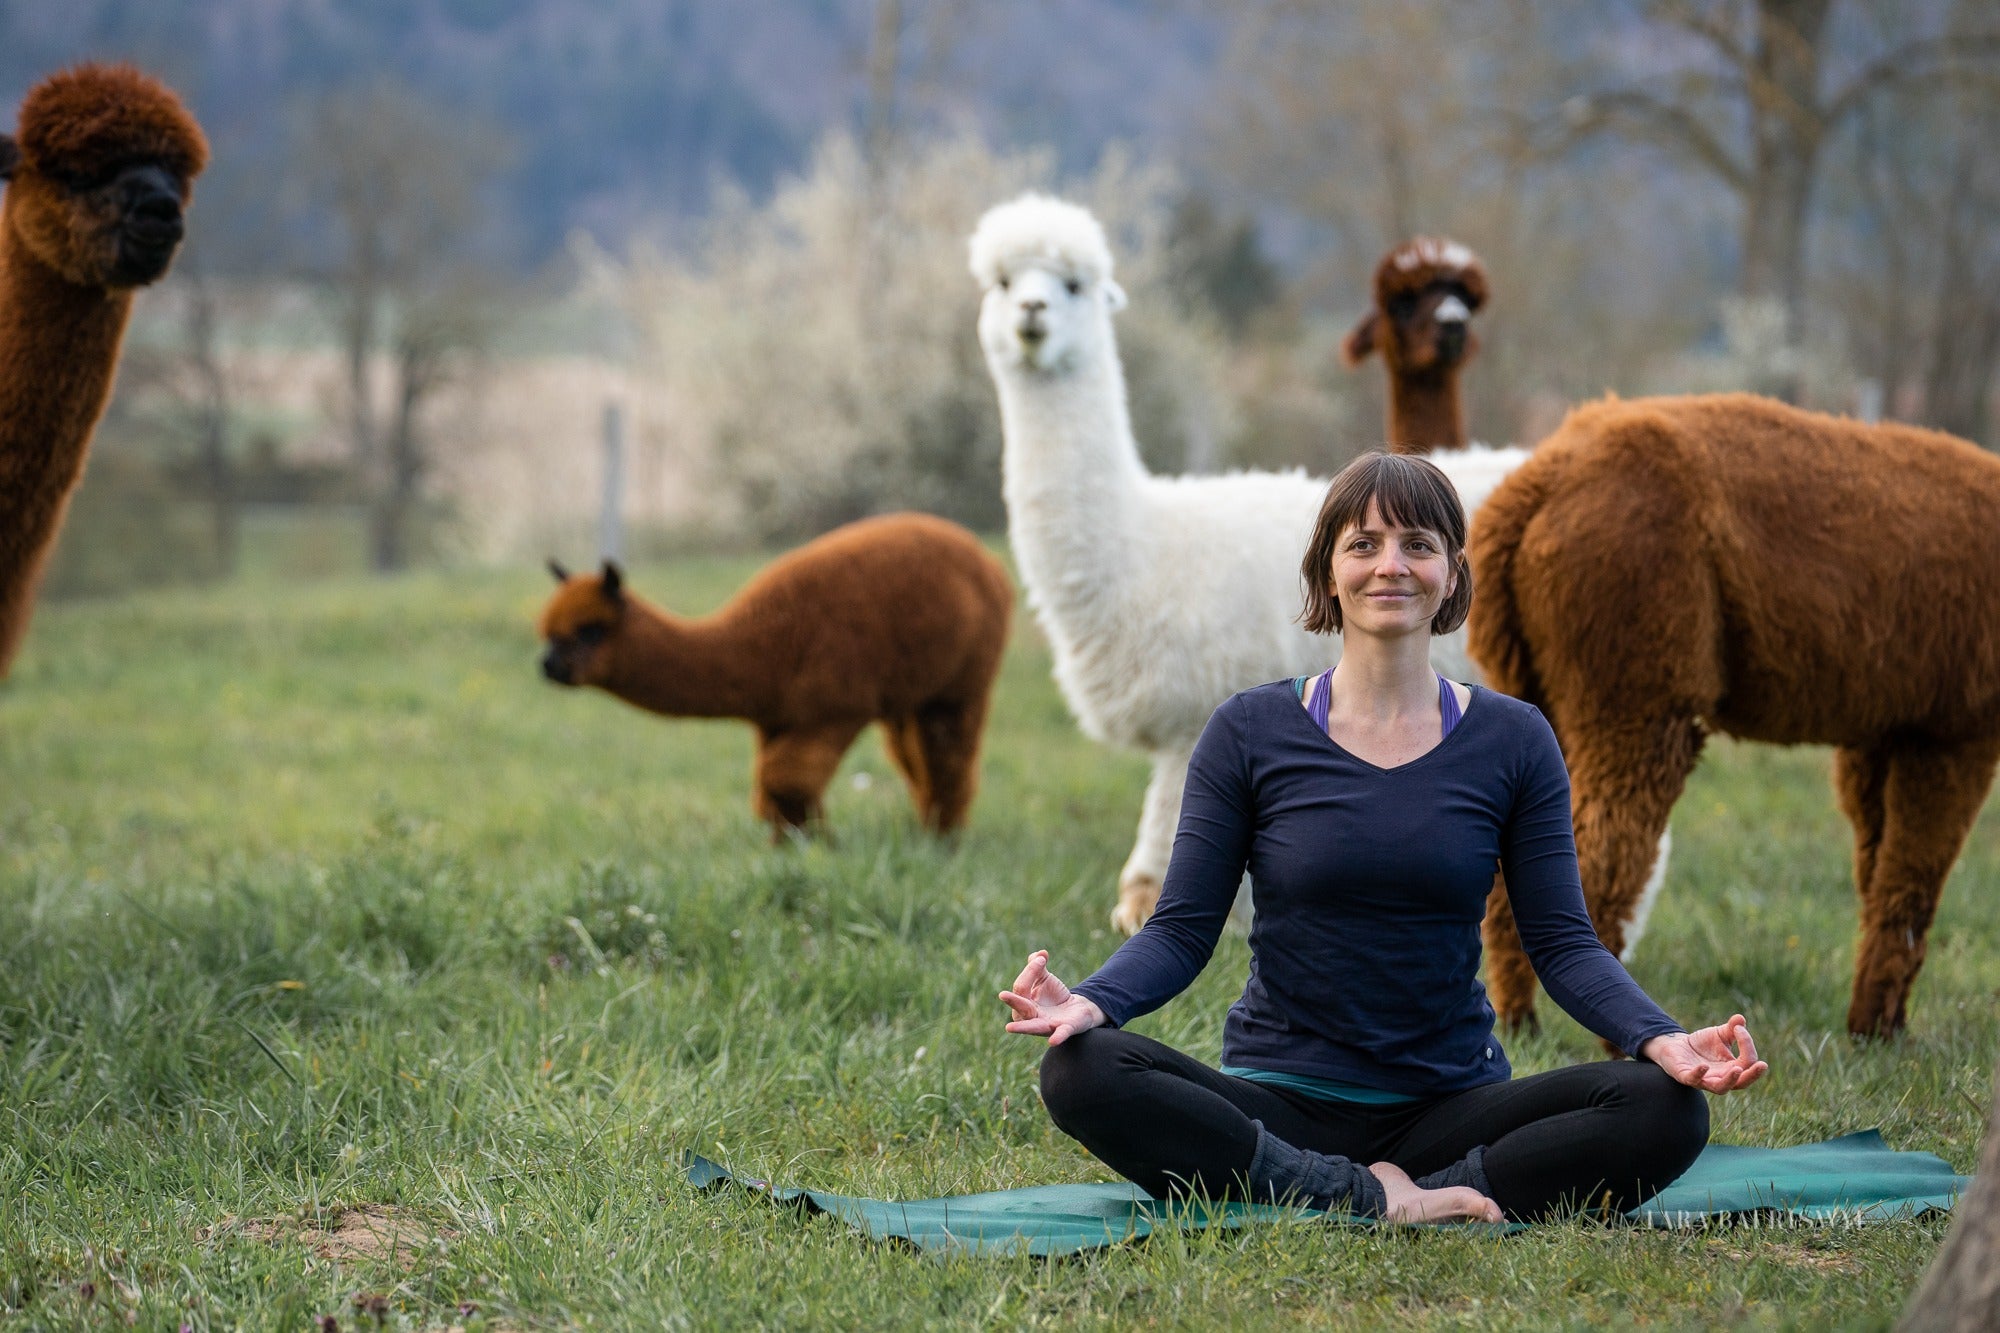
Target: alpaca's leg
(1626,772)
(1624,785)
(1146,869)
(1510,980)
(950,734)
(905,744)
(1930,794)
(1656,879)
(1858,778)
(793,768)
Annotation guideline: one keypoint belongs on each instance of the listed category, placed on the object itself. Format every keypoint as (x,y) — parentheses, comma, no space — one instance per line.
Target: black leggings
(1602,1136)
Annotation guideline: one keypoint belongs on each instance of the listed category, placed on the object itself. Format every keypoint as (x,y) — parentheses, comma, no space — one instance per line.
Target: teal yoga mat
(1856,1177)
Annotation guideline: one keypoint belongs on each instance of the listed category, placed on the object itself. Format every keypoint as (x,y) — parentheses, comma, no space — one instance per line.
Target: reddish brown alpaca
(899,620)
(1426,292)
(1667,567)
(98,175)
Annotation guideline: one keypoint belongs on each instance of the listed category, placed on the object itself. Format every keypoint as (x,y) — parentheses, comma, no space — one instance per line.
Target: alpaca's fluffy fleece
(1040,229)
(1666,569)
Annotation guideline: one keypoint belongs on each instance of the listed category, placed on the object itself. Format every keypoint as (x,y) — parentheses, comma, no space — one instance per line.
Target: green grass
(319,897)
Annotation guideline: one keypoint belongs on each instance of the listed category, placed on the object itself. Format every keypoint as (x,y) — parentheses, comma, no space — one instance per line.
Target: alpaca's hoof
(1877,1021)
(1136,900)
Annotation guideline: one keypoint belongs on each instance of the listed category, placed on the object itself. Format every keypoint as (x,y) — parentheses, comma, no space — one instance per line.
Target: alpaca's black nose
(152,202)
(555,668)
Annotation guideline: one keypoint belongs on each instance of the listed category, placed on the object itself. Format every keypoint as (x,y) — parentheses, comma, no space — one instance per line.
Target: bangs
(1408,491)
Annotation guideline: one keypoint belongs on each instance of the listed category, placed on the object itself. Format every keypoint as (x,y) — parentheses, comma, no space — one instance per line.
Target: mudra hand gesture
(1042,1005)
(1718,1059)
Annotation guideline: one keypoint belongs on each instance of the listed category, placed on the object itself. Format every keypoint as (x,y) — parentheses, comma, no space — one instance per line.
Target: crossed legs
(1602,1136)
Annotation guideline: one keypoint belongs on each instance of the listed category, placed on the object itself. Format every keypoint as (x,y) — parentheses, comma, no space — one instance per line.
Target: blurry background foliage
(439,238)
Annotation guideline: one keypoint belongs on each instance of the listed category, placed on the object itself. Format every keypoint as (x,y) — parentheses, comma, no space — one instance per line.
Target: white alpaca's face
(1042,319)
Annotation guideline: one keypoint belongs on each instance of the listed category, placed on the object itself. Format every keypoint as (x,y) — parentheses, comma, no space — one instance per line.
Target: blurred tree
(1751,92)
(401,235)
(822,395)
(1961,1292)
(1964,333)
(1217,267)
(211,407)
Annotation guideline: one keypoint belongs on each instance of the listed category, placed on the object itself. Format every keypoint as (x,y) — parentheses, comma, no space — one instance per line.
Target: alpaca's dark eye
(592,635)
(1403,306)
(1003,282)
(1072,286)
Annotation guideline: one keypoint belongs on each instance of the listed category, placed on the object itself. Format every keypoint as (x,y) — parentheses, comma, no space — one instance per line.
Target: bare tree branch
(1911,63)
(1711,28)
(1649,117)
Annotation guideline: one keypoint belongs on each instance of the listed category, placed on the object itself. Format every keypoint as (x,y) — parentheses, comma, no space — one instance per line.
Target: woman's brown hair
(1411,492)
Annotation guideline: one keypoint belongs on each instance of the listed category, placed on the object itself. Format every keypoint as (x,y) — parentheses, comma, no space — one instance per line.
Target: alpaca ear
(1360,341)
(1114,296)
(555,568)
(613,581)
(10,157)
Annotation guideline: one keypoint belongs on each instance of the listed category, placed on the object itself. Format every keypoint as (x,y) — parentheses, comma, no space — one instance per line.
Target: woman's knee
(1675,1116)
(1076,1073)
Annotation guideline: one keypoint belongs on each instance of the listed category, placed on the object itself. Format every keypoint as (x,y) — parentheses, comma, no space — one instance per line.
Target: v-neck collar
(1465,714)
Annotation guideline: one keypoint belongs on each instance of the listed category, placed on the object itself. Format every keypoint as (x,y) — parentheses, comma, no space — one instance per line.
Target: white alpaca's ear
(1114,296)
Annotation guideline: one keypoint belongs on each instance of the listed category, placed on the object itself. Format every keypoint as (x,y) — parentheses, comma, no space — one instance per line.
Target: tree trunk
(212,418)
(403,464)
(1965,327)
(1786,128)
(1961,1293)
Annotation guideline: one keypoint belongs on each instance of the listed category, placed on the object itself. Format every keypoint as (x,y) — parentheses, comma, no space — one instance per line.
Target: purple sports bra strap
(1321,703)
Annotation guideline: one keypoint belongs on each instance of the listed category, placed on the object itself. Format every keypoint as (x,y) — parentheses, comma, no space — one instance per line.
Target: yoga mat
(1856,1178)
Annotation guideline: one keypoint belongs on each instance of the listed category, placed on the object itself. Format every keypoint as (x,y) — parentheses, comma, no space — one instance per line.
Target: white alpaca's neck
(1073,483)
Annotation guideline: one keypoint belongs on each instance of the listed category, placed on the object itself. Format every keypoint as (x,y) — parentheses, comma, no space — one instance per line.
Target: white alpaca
(1160,596)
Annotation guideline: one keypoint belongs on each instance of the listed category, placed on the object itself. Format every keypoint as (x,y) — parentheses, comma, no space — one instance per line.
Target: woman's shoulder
(1259,700)
(1506,708)
(1251,710)
(1513,721)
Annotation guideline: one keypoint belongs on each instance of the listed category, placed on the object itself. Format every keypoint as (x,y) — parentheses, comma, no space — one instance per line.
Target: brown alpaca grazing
(1426,292)
(1664,568)
(899,620)
(97,175)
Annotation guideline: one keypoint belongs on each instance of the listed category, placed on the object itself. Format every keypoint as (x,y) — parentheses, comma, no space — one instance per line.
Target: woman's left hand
(1717,1059)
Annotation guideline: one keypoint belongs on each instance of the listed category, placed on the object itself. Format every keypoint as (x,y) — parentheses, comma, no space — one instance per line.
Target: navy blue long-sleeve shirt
(1369,886)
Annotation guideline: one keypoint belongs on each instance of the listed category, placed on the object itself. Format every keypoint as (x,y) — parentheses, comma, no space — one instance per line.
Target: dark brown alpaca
(1667,567)
(899,620)
(98,174)
(1426,292)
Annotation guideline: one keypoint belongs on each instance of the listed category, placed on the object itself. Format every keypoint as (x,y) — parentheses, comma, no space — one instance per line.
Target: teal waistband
(1326,1089)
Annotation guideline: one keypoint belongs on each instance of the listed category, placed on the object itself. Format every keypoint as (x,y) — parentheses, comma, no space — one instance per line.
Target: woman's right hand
(1043,1005)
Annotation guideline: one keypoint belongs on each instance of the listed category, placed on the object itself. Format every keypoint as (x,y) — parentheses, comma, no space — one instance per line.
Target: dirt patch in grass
(349,1233)
(1799,1256)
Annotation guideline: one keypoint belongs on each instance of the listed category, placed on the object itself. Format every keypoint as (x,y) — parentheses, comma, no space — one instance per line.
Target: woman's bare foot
(1412,1206)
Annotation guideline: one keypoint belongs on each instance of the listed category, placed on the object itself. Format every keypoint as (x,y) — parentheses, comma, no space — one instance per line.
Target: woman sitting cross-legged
(1371,805)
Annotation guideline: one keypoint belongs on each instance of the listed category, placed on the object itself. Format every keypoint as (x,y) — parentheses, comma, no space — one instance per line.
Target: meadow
(347,968)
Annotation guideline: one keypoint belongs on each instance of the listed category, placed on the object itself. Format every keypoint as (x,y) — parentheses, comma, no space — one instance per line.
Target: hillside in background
(627,111)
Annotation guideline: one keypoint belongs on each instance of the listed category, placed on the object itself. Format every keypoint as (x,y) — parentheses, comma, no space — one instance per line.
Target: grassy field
(324,923)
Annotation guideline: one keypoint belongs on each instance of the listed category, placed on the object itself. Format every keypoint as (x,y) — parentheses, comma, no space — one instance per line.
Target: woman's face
(1390,579)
